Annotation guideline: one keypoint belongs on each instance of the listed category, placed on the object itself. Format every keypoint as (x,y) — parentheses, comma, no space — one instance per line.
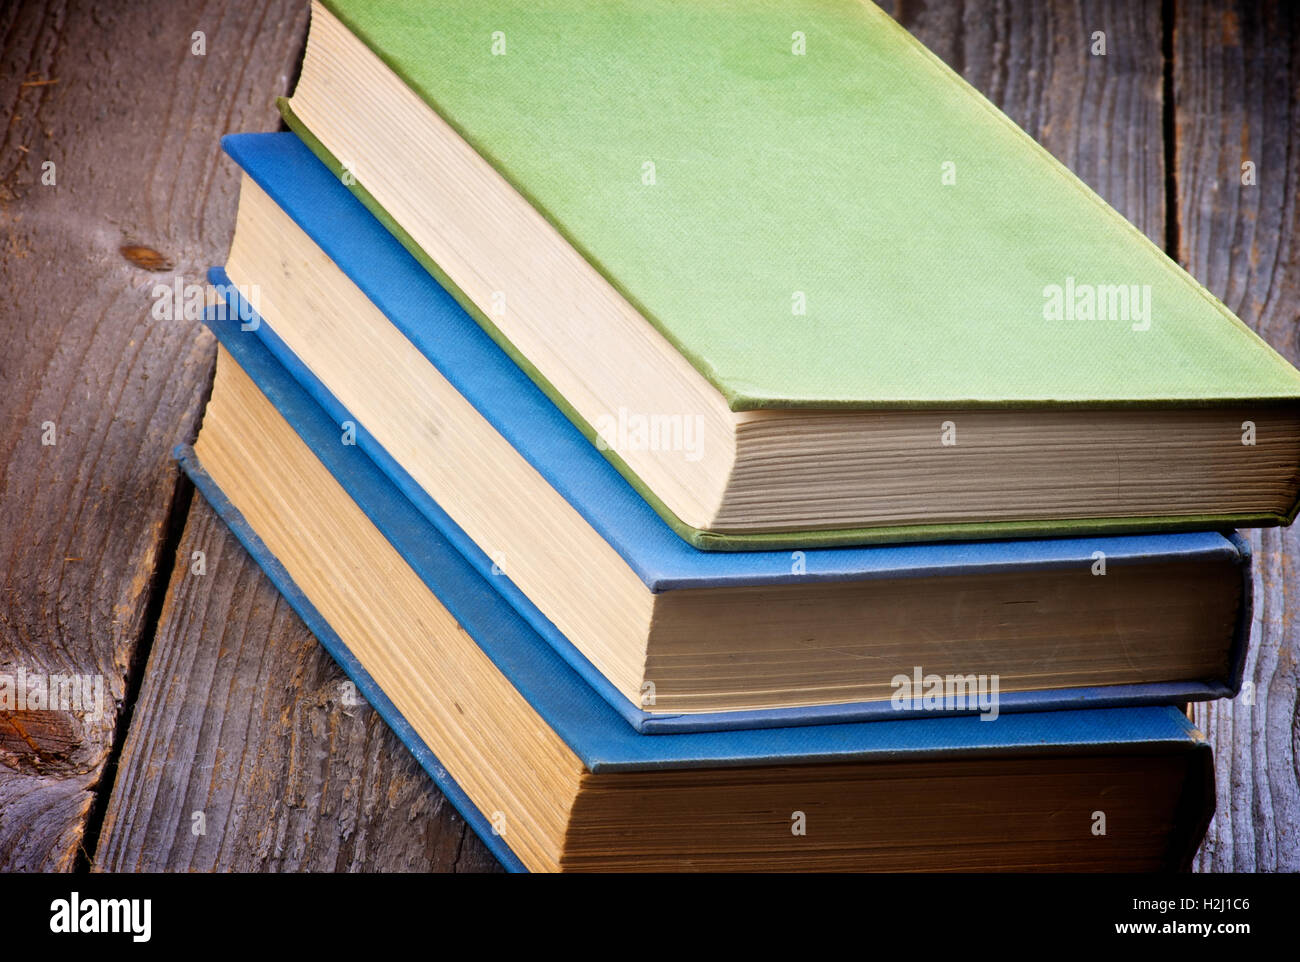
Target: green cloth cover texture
(814,155)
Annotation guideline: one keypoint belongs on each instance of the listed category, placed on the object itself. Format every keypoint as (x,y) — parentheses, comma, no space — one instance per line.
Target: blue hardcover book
(548,773)
(674,638)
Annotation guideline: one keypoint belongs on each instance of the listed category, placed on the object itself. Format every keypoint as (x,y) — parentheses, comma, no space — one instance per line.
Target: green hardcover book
(798,280)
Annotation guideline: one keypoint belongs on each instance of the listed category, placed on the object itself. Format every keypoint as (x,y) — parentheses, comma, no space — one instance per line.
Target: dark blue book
(674,638)
(549,774)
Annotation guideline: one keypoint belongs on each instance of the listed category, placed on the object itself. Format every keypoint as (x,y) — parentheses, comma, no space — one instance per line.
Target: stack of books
(717,438)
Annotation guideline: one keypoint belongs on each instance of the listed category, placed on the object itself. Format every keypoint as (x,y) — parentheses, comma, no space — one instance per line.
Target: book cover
(948,310)
(806,172)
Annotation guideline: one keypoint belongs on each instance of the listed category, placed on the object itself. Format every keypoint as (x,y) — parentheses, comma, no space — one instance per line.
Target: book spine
(1245,614)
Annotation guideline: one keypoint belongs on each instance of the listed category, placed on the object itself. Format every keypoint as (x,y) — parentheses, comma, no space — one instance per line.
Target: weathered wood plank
(1236,84)
(114,97)
(247,729)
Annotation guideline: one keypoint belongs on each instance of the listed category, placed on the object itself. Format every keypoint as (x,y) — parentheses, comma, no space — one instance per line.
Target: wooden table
(227,740)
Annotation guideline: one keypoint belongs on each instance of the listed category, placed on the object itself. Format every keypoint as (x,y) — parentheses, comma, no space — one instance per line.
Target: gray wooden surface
(110,94)
(1236,85)
(230,740)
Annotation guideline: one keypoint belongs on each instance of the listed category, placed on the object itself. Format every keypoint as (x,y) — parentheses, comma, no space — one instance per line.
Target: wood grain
(113,96)
(1236,82)
(244,718)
